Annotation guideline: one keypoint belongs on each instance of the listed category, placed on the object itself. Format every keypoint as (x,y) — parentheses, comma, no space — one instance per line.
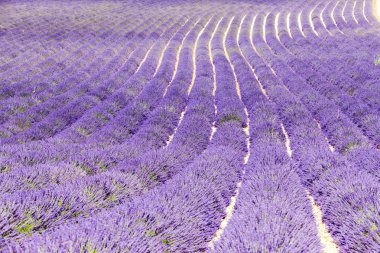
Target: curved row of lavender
(178,126)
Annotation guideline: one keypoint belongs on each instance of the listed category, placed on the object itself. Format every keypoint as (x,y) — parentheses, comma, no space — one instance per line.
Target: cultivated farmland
(189,126)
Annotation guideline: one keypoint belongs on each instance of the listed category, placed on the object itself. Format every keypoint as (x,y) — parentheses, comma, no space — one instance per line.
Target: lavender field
(189,126)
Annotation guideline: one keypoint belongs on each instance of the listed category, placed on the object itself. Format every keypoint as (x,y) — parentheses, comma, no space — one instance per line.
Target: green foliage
(23,125)
(229,117)
(87,169)
(112,112)
(271,131)
(5,168)
(166,240)
(151,233)
(87,248)
(83,131)
(30,182)
(153,176)
(3,134)
(111,197)
(102,165)
(145,105)
(21,108)
(26,225)
(377,60)
(349,146)
(102,116)
(373,226)
(76,214)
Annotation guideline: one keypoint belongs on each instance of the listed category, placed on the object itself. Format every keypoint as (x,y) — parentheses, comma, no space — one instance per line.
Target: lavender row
(13,54)
(342,133)
(270,191)
(41,151)
(86,56)
(181,215)
(193,133)
(151,101)
(36,62)
(72,94)
(113,174)
(30,211)
(328,176)
(355,109)
(358,72)
(184,139)
(104,112)
(230,107)
(64,81)
(270,187)
(222,136)
(110,154)
(93,24)
(224,198)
